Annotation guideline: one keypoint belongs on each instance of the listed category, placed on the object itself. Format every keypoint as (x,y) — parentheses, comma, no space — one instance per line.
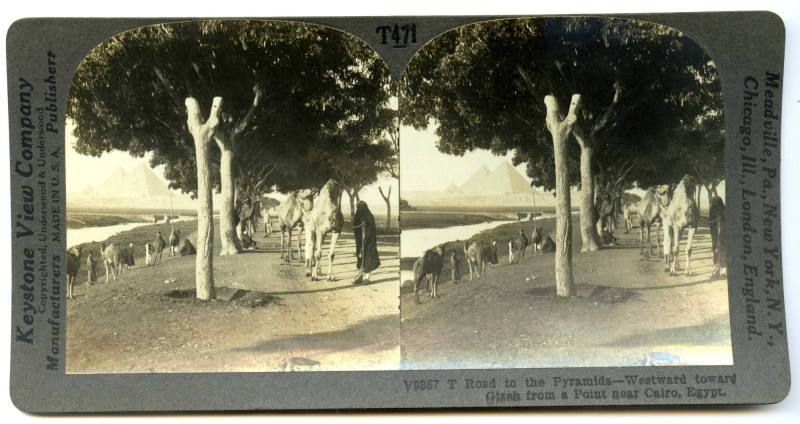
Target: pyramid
(504,180)
(151,184)
(139,182)
(476,178)
(452,188)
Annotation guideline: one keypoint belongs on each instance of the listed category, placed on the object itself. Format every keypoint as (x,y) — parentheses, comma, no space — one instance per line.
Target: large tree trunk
(227,212)
(387,199)
(203,133)
(589,236)
(699,188)
(560,131)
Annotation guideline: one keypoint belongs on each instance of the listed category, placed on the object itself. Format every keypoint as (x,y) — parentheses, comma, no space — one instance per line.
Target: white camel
(682,212)
(650,208)
(290,213)
(266,216)
(320,217)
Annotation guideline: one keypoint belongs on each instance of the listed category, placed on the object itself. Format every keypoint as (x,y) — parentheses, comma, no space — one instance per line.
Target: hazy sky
(424,168)
(89,171)
(84,171)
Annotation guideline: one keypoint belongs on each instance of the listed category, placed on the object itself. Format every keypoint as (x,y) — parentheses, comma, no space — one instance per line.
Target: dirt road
(132,326)
(627,311)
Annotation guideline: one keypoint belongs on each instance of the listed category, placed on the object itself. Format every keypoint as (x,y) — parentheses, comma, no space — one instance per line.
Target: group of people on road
(364,232)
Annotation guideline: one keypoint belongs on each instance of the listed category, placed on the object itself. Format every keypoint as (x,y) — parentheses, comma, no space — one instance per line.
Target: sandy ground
(627,310)
(131,326)
(270,317)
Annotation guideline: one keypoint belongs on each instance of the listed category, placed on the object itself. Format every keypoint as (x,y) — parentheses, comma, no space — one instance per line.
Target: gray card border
(743,44)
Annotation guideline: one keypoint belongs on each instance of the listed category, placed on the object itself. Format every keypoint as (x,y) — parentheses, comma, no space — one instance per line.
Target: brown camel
(73,266)
(322,217)
(682,212)
(116,258)
(174,241)
(290,213)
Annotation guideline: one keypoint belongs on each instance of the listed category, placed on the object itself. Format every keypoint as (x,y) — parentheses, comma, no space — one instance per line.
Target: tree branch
(526,79)
(168,86)
(193,118)
(551,118)
(213,117)
(572,116)
(248,117)
(609,111)
(388,193)
(526,121)
(202,79)
(580,136)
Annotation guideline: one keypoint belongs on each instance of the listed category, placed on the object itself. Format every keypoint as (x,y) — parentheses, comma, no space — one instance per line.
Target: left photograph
(232,202)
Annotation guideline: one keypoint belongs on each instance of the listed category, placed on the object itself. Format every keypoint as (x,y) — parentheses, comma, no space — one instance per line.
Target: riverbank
(626,310)
(86,220)
(500,233)
(415,220)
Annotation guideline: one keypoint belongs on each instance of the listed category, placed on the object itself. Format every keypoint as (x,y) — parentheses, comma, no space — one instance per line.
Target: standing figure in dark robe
(716,225)
(158,245)
(366,242)
(246,217)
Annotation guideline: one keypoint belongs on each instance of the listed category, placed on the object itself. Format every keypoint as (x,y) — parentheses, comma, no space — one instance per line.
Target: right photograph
(562,198)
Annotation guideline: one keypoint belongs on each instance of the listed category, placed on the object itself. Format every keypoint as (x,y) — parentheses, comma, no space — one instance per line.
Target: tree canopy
(315,83)
(282,99)
(482,85)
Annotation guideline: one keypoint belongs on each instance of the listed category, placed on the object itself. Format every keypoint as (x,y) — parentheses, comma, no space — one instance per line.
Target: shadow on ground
(365,335)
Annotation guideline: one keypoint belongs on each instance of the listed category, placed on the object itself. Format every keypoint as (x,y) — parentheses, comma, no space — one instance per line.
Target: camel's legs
(309,252)
(675,250)
(641,238)
(331,254)
(106,265)
(299,249)
(283,243)
(689,238)
(317,267)
(659,230)
(289,245)
(649,241)
(469,264)
(667,247)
